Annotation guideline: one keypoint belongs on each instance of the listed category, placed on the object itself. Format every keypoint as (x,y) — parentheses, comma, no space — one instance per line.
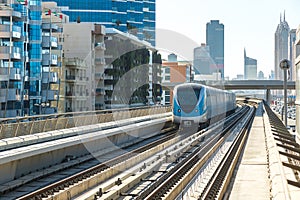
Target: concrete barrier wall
(21,161)
(35,125)
(278,181)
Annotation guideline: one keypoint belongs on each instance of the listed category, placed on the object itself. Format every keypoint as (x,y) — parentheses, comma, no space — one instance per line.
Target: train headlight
(196,110)
(179,110)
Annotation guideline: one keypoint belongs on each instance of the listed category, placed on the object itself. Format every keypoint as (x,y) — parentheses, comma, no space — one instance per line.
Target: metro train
(196,104)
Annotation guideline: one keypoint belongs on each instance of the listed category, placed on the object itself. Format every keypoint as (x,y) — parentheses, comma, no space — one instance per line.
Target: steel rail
(221,178)
(66,182)
(170,178)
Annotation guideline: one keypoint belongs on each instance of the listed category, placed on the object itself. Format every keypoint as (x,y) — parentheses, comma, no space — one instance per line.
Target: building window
(167,70)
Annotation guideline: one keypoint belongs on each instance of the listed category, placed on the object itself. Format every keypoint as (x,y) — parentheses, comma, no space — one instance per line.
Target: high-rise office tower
(281,46)
(292,54)
(250,67)
(202,61)
(20,58)
(261,75)
(215,41)
(136,17)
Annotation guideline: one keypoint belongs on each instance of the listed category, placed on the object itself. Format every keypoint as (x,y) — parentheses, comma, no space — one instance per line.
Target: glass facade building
(20,57)
(135,16)
(215,41)
(281,46)
(52,33)
(33,67)
(202,60)
(250,67)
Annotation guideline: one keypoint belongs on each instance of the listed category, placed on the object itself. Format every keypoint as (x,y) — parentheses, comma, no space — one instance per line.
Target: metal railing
(14,127)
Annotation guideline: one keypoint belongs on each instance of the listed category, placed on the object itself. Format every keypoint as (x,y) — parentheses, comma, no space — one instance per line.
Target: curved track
(199,156)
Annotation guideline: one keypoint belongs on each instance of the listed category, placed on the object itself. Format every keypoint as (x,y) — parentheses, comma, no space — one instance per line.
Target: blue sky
(249,24)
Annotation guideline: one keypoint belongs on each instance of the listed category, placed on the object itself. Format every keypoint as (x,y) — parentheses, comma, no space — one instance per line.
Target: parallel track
(168,181)
(84,174)
(216,187)
(165,183)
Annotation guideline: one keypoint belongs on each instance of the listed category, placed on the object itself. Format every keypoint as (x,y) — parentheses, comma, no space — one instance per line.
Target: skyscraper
(202,60)
(292,54)
(281,46)
(250,67)
(215,41)
(137,17)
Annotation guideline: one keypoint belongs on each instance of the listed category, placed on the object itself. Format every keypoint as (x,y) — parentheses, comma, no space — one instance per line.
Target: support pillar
(268,96)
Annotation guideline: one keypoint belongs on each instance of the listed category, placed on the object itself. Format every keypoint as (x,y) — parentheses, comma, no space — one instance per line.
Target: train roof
(198,85)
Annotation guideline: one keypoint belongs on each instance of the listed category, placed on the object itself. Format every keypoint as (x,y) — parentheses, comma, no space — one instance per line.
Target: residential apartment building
(52,56)
(136,17)
(83,68)
(175,71)
(131,72)
(20,58)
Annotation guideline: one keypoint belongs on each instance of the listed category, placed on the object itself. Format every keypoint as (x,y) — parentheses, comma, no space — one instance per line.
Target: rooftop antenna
(280,17)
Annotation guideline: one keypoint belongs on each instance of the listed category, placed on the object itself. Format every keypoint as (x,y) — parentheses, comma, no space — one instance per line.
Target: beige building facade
(84,66)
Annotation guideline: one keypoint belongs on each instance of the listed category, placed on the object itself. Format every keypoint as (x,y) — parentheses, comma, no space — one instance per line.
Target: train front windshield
(187,98)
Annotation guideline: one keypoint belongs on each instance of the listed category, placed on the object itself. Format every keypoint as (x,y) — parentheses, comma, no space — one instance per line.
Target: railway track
(174,181)
(161,167)
(163,171)
(218,183)
(82,169)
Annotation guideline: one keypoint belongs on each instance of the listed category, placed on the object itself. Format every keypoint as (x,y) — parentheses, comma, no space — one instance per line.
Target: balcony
(12,95)
(108,67)
(53,26)
(10,73)
(48,42)
(6,55)
(100,61)
(99,76)
(10,13)
(100,91)
(108,77)
(76,95)
(109,87)
(3,77)
(50,77)
(5,31)
(46,61)
(100,46)
(15,74)
(5,73)
(9,113)
(70,94)
(106,98)
(70,77)
(50,95)
(74,63)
